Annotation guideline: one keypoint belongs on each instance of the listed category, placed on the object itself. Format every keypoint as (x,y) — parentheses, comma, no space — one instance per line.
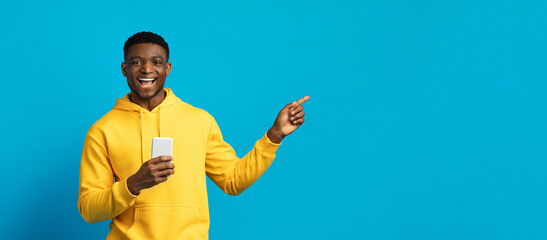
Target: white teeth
(147,79)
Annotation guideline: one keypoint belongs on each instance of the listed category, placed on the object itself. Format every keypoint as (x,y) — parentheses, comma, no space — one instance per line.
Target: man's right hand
(151,173)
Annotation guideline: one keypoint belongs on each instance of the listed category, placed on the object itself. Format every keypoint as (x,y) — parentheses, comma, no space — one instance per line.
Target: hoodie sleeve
(232,174)
(100,198)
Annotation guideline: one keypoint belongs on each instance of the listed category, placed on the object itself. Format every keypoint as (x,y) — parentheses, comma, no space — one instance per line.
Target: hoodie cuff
(266,146)
(122,193)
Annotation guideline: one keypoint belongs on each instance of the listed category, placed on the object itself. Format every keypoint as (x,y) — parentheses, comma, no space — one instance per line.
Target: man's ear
(168,68)
(124,70)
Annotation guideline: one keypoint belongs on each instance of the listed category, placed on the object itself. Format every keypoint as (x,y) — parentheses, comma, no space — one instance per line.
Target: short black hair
(144,37)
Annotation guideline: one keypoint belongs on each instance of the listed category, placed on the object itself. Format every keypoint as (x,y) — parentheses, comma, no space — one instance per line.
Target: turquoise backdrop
(427,119)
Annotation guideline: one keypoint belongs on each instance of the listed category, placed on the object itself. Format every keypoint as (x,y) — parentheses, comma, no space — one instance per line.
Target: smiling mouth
(146,82)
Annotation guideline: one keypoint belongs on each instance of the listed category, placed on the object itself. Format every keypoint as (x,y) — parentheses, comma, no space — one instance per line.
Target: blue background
(426,118)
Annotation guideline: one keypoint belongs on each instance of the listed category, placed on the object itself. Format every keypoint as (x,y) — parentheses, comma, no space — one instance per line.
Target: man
(148,199)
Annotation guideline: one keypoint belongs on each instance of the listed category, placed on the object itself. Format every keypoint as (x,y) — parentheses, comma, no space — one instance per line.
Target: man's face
(146,68)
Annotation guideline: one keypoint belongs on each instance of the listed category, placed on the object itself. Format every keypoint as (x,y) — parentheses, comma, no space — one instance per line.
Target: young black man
(146,198)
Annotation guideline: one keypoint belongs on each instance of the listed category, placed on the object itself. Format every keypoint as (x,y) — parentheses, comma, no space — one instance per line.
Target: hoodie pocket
(163,222)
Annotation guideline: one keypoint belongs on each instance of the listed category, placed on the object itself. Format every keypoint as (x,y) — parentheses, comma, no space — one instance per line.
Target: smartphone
(162,146)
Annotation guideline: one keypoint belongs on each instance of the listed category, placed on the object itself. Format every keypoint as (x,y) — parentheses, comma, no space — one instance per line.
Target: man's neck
(150,103)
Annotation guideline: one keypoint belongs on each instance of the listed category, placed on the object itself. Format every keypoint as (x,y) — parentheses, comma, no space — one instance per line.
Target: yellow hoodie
(116,146)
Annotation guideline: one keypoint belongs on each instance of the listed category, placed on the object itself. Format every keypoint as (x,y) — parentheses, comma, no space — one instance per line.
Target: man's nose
(146,68)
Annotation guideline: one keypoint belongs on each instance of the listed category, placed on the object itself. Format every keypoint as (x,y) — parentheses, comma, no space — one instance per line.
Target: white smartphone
(162,146)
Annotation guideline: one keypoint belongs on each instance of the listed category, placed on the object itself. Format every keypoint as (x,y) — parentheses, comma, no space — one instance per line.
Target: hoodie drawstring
(141,112)
(159,121)
(142,136)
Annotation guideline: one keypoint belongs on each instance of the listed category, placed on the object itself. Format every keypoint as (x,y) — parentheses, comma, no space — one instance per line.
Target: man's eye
(136,63)
(157,63)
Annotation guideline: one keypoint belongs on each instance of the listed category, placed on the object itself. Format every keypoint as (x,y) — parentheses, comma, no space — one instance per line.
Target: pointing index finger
(302,100)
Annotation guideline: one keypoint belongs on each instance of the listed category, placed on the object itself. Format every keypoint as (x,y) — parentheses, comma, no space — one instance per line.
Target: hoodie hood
(125,104)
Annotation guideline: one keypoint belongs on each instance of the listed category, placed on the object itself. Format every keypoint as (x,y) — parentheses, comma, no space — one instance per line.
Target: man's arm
(234,175)
(99,198)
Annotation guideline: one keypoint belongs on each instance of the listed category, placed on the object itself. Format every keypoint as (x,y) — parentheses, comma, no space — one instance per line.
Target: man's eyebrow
(138,57)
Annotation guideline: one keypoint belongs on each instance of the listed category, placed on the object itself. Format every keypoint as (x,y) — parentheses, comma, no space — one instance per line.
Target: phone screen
(162,146)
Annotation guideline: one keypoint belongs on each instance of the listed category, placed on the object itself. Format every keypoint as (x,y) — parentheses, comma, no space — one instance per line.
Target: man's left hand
(290,118)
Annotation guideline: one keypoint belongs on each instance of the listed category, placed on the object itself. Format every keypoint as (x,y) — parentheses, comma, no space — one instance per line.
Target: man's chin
(147,94)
